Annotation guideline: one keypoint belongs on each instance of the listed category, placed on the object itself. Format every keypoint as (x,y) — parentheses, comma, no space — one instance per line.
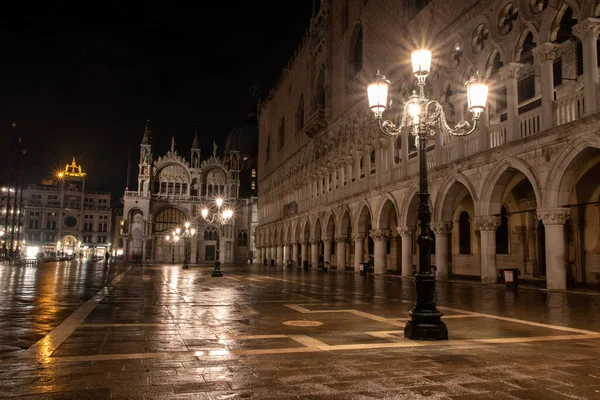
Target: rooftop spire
(195,141)
(147,132)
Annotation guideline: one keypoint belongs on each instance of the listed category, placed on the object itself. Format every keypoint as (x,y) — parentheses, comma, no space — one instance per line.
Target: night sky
(80,78)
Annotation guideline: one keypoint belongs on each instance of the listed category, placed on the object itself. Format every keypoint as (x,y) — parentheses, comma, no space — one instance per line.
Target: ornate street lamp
(221,217)
(172,238)
(421,117)
(187,233)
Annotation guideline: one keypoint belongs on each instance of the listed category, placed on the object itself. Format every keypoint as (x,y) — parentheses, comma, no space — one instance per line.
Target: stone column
(295,253)
(487,226)
(359,249)
(273,253)
(441,230)
(545,54)
(286,253)
(556,266)
(126,249)
(279,260)
(327,249)
(407,233)
(587,32)
(340,241)
(314,252)
(144,249)
(304,252)
(380,238)
(510,74)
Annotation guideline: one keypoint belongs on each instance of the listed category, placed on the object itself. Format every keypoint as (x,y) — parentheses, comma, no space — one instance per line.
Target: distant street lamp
(172,239)
(187,233)
(221,217)
(421,117)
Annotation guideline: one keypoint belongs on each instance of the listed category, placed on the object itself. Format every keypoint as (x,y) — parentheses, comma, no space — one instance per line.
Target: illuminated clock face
(70,222)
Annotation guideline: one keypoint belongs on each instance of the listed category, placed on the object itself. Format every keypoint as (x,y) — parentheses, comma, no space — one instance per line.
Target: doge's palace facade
(523,192)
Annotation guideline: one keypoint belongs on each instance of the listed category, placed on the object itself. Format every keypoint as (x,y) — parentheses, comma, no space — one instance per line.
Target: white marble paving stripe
(531,323)
(49,343)
(141,325)
(362,314)
(314,345)
(457,310)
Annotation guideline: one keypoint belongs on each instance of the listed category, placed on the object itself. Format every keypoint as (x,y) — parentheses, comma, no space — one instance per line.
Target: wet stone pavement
(89,331)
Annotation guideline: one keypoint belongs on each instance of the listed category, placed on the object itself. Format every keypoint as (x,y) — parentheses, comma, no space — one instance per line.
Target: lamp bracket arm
(462,128)
(388,128)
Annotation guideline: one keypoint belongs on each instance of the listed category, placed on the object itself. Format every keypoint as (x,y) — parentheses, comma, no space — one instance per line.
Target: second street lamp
(421,117)
(187,233)
(220,216)
(172,238)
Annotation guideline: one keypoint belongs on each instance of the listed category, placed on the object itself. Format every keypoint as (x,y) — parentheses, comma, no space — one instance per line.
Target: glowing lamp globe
(377,92)
(421,62)
(477,93)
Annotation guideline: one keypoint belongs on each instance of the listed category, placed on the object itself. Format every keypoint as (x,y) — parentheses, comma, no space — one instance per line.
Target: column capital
(327,239)
(314,241)
(487,222)
(588,28)
(442,228)
(554,216)
(380,235)
(407,231)
(359,236)
(547,51)
(510,71)
(341,238)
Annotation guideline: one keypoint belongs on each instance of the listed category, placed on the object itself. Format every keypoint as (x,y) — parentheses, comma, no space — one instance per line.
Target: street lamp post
(421,117)
(187,233)
(221,216)
(172,239)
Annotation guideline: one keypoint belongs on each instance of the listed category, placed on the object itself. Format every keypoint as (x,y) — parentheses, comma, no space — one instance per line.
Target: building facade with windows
(522,192)
(172,191)
(61,218)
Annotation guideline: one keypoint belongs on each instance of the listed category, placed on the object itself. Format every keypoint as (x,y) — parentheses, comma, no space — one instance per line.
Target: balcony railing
(531,122)
(569,108)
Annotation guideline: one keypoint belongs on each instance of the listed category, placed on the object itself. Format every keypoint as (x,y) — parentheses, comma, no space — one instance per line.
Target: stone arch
(363,217)
(316,229)
(408,210)
(450,189)
(345,222)
(566,169)
(133,211)
(517,50)
(496,183)
(386,204)
(330,225)
(551,21)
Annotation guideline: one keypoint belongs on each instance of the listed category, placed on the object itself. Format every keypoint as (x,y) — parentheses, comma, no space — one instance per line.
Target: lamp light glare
(205,213)
(219,201)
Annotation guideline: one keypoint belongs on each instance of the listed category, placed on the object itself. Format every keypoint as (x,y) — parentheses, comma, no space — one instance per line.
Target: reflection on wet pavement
(262,332)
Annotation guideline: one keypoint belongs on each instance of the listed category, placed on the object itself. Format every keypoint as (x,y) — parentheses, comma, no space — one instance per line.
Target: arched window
(281,134)
(355,56)
(242,238)
(345,17)
(373,160)
(464,233)
(48,225)
(300,114)
(320,91)
(168,219)
(267,150)
(502,233)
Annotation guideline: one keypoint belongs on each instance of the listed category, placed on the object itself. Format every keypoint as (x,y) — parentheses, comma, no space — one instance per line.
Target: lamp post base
(217,271)
(426,321)
(185,266)
(425,331)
